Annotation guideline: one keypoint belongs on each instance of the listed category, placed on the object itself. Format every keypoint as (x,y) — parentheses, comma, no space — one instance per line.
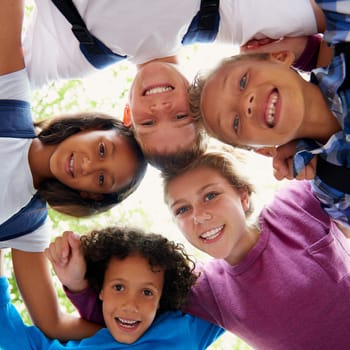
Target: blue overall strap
(97,53)
(25,221)
(205,25)
(16,119)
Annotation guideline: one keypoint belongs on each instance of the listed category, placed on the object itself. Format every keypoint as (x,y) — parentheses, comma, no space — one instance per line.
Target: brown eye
(236,123)
(101,179)
(101,150)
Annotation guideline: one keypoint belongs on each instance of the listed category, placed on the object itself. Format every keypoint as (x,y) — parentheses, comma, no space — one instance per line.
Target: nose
(249,104)
(87,166)
(160,106)
(200,217)
(129,304)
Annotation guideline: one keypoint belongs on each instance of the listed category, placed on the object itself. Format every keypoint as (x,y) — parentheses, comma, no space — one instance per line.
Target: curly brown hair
(67,200)
(99,247)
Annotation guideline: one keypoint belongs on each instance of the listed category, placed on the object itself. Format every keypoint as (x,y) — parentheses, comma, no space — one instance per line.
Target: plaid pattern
(336,90)
(337,20)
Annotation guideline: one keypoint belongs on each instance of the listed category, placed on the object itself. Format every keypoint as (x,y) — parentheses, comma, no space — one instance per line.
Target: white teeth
(213,233)
(127,323)
(271,109)
(71,162)
(158,90)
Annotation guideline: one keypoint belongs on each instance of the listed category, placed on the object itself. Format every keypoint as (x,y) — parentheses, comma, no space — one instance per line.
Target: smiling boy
(257,100)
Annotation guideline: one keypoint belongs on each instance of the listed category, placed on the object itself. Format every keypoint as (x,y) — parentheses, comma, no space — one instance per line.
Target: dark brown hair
(99,247)
(68,200)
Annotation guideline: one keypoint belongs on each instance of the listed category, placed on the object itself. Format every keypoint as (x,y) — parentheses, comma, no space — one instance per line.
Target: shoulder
(295,208)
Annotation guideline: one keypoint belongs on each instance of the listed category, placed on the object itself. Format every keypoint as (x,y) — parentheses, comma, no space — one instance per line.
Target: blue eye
(243,82)
(148,123)
(211,195)
(101,150)
(236,123)
(181,210)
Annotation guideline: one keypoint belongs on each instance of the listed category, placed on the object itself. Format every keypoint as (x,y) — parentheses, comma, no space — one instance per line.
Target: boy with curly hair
(141,280)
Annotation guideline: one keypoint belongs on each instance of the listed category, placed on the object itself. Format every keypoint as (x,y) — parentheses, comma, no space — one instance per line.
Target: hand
(283,164)
(293,44)
(68,261)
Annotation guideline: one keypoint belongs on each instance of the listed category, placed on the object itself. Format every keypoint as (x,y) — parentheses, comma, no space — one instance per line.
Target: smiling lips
(128,324)
(157,90)
(69,168)
(212,234)
(270,111)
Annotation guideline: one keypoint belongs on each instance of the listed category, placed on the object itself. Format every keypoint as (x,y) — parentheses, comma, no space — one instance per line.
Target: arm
(36,286)
(11,17)
(70,267)
(310,51)
(283,164)
(31,269)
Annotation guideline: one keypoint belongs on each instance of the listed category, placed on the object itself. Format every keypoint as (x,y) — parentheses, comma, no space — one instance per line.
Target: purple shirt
(291,291)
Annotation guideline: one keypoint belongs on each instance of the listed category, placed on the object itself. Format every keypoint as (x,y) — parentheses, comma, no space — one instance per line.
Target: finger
(74,242)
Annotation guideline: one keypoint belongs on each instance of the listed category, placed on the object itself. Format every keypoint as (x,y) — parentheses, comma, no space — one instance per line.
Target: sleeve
(294,18)
(35,241)
(15,86)
(308,59)
(88,304)
(201,301)
(204,333)
(12,328)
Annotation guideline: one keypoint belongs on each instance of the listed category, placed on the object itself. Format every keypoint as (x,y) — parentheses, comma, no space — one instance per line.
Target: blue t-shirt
(171,330)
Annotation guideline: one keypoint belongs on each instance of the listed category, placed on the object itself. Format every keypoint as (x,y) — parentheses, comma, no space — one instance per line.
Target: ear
(266,151)
(284,57)
(127,116)
(100,296)
(245,200)
(90,195)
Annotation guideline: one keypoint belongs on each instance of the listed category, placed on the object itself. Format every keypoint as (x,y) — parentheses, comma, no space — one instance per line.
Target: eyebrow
(202,189)
(144,284)
(113,150)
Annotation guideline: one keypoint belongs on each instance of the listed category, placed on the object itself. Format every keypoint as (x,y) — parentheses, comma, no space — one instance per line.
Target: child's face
(130,294)
(160,108)
(94,161)
(210,212)
(254,102)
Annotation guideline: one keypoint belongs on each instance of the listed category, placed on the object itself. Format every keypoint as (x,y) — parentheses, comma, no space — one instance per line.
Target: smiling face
(130,294)
(94,161)
(210,213)
(254,102)
(160,108)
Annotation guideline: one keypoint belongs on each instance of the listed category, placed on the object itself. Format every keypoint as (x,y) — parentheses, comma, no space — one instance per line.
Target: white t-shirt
(147,31)
(15,176)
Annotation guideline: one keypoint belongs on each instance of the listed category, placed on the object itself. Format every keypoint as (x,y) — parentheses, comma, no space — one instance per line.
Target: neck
(39,161)
(319,123)
(246,244)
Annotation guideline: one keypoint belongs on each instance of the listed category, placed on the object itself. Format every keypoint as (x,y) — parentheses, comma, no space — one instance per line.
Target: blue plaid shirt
(330,81)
